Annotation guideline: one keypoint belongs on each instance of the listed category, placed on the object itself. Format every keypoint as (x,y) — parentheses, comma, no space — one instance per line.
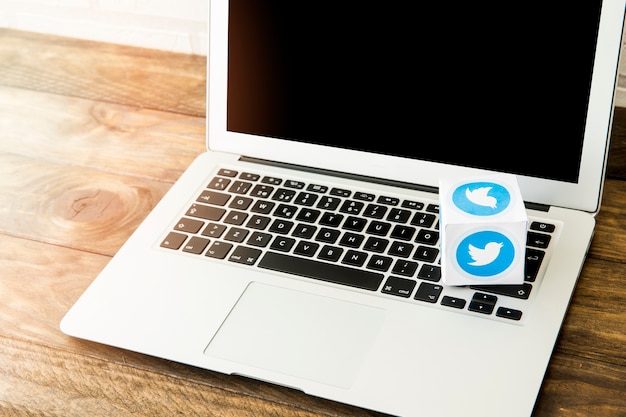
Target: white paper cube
(483,227)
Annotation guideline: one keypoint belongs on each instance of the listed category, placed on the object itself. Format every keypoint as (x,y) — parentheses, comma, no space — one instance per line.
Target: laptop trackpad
(298,334)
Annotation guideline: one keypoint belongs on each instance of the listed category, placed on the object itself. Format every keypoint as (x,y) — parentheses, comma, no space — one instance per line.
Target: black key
(330,253)
(509,313)
(363,196)
(533,262)
(375,211)
(214,230)
(328,203)
(282,243)
(272,180)
(262,207)
(305,248)
(538,240)
(428,292)
(306,199)
(354,258)
(308,215)
(415,205)
(281,226)
(188,225)
(310,268)
(284,195)
(304,231)
(378,228)
(404,268)
(483,303)
(453,302)
(211,197)
(173,240)
(433,208)
(245,255)
(235,217)
(426,253)
(219,183)
(379,263)
(317,188)
(403,232)
(240,203)
(327,235)
(375,244)
(259,239)
(356,224)
(430,237)
(390,201)
(196,245)
(340,192)
(285,211)
(225,172)
(430,272)
(240,187)
(399,215)
(351,240)
(399,286)
(205,212)
(258,222)
(249,177)
(400,249)
(542,227)
(516,291)
(219,250)
(351,207)
(261,191)
(331,219)
(236,234)
(298,185)
(423,219)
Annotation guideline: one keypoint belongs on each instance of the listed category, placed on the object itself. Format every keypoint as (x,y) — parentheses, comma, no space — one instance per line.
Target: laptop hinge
(382,181)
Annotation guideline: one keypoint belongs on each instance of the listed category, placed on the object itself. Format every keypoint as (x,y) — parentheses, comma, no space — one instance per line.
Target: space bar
(309,268)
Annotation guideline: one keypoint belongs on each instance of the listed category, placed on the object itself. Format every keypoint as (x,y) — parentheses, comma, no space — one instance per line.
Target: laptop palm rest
(298,334)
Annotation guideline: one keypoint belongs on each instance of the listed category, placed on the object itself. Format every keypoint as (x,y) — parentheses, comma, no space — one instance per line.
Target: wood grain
(100,135)
(138,77)
(70,206)
(84,128)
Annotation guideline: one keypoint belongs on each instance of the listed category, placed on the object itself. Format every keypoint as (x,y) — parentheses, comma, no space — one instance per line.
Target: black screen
(484,85)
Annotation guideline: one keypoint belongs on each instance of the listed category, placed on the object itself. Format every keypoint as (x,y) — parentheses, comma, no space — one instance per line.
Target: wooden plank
(595,324)
(72,206)
(143,78)
(100,135)
(77,385)
(617,152)
(578,387)
(609,241)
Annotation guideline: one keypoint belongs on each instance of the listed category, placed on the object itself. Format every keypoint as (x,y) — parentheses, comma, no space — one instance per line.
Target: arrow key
(509,313)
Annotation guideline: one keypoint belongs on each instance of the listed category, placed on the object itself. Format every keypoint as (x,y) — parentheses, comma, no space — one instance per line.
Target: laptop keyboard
(377,243)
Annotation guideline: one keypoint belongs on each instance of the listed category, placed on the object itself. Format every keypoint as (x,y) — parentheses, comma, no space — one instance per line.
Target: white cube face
(483,226)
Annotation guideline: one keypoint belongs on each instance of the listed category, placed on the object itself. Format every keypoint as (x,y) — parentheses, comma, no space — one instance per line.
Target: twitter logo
(485,254)
(481,198)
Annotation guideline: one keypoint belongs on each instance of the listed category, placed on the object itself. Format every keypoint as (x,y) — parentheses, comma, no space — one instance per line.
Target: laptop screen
(469,84)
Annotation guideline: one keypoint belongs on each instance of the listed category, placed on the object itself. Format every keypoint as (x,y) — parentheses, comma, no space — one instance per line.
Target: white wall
(174,25)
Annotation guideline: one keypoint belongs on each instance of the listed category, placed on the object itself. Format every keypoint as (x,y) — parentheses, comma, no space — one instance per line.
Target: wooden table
(91,137)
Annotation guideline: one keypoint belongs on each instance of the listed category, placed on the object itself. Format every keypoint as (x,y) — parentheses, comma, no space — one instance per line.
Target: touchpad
(298,334)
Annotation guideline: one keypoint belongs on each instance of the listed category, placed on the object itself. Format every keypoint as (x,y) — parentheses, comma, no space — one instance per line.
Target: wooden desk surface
(91,137)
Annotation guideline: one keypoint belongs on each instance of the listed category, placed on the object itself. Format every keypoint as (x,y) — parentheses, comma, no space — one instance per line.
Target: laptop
(302,248)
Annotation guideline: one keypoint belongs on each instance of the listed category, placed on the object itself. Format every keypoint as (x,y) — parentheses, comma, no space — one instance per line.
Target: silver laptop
(302,248)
